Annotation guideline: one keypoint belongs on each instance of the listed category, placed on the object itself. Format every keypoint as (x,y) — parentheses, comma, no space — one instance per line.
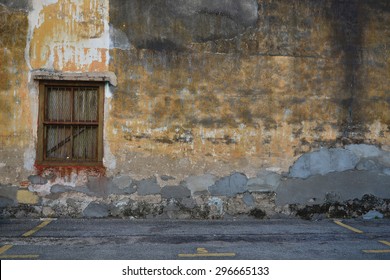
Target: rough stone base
(331,183)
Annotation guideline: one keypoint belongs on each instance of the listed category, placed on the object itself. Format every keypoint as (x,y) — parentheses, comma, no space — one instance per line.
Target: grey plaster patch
(101,186)
(342,185)
(322,162)
(148,186)
(122,182)
(6,202)
(175,192)
(188,202)
(119,39)
(273,179)
(364,150)
(84,190)
(230,185)
(96,210)
(264,182)
(248,199)
(368,164)
(200,183)
(60,189)
(384,159)
(8,191)
(256,181)
(37,180)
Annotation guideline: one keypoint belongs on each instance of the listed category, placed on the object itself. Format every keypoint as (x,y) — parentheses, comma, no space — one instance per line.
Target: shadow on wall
(171,25)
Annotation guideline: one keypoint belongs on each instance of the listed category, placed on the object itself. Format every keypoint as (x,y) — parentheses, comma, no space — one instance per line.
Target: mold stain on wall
(205,86)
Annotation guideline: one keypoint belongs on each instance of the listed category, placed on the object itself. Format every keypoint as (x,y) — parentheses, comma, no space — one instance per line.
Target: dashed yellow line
(202,252)
(338,222)
(34,230)
(5,248)
(379,251)
(385,242)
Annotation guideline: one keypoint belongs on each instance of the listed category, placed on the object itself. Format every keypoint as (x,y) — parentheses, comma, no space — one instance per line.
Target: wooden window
(70,129)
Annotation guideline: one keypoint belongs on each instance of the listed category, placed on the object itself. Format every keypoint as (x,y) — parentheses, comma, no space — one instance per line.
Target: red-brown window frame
(41,149)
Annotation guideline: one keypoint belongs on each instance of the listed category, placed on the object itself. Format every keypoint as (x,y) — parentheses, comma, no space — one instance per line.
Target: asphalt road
(116,239)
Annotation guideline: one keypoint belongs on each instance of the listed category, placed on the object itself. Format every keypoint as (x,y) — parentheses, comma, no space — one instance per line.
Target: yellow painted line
(202,252)
(376,251)
(19,256)
(5,248)
(347,226)
(34,230)
(385,242)
(207,255)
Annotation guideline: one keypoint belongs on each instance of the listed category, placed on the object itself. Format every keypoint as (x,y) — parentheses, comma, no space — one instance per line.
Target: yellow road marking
(5,248)
(202,252)
(34,230)
(19,256)
(376,251)
(385,242)
(347,226)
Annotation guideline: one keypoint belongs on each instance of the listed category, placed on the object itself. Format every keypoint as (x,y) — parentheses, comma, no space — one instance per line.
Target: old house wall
(214,102)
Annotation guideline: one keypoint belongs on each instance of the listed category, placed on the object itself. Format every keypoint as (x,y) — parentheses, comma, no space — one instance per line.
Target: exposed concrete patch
(364,150)
(248,199)
(266,181)
(230,185)
(6,202)
(200,183)
(123,185)
(344,185)
(60,189)
(100,186)
(148,186)
(96,210)
(368,164)
(177,192)
(8,192)
(322,162)
(37,180)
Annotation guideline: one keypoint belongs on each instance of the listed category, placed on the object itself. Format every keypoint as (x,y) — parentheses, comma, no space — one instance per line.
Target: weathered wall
(222,87)
(215,99)
(15,119)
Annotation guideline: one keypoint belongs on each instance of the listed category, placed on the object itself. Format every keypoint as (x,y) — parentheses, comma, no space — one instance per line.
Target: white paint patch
(67,47)
(29,158)
(2,164)
(109,159)
(217,203)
